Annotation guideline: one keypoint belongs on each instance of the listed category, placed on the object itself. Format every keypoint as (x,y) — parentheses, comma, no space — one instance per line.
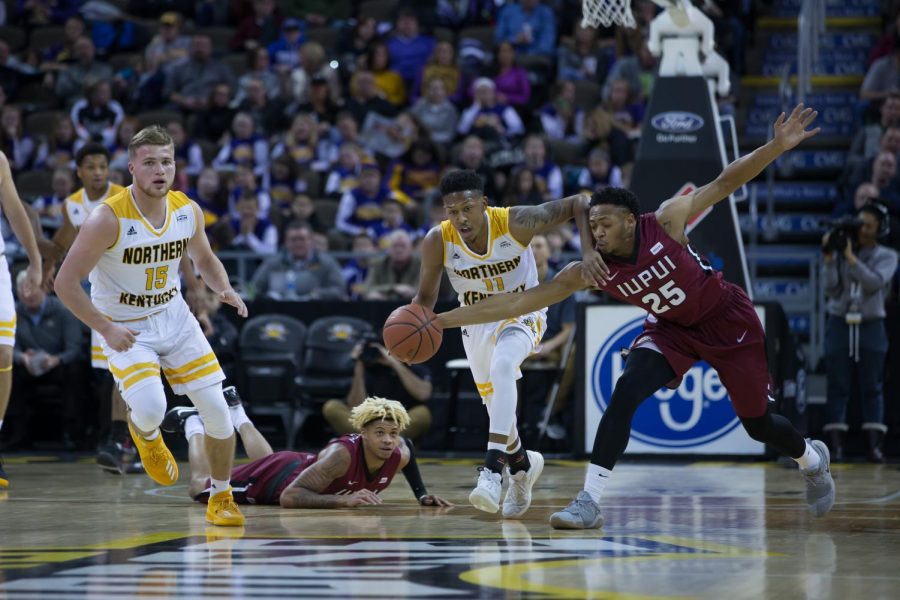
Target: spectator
(303,210)
(301,143)
(16,143)
(634,63)
(40,13)
(530,26)
(378,373)
(13,65)
(190,85)
(471,156)
(48,350)
(284,53)
(351,48)
(521,189)
(218,115)
(511,80)
(312,64)
(625,110)
(244,147)
(583,59)
(487,118)
(360,208)
(320,13)
(244,183)
(49,208)
(298,271)
(259,69)
(283,183)
(118,152)
(395,276)
(868,138)
(169,47)
(547,176)
(884,176)
(883,77)
(58,150)
(356,269)
(188,154)
(857,280)
(436,113)
(389,83)
(210,196)
(366,98)
(392,220)
(263,27)
(97,115)
(268,113)
(415,176)
(886,43)
(320,104)
(601,130)
(456,15)
(57,55)
(252,232)
(561,119)
(599,174)
(390,138)
(85,68)
(865,193)
(409,49)
(442,65)
(344,176)
(142,85)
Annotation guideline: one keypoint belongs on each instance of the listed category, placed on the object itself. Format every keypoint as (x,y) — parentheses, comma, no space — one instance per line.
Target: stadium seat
(33,184)
(123,60)
(14,36)
(43,122)
(326,36)
(327,365)
(220,36)
(566,153)
(445,34)
(271,348)
(326,210)
(237,61)
(484,35)
(587,95)
(312,182)
(159,117)
(35,96)
(46,37)
(381,10)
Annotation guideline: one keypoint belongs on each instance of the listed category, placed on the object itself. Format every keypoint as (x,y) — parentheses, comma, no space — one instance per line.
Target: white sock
(1,423)
(595,480)
(497,446)
(152,436)
(193,425)
(217,486)
(810,459)
(238,416)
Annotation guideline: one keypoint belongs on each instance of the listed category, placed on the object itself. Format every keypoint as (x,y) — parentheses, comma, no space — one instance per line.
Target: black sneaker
(232,398)
(119,457)
(175,418)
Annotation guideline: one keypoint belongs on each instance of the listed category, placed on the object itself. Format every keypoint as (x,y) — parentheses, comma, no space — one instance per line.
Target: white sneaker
(518,496)
(486,495)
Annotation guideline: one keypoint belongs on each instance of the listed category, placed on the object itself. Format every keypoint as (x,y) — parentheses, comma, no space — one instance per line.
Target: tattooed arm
(528,221)
(306,490)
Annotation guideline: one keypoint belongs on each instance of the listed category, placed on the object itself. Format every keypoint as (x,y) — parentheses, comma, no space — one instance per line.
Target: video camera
(370,351)
(840,230)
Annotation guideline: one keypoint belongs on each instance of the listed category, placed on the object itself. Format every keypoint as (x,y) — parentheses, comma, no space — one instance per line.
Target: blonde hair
(374,408)
(154,135)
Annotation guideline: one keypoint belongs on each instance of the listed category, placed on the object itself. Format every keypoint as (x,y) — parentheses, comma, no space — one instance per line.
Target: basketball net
(618,12)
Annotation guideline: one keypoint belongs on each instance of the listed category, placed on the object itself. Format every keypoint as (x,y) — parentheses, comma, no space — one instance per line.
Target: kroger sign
(695,418)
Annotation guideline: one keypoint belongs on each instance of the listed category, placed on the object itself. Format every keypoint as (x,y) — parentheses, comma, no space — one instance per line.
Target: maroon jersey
(262,481)
(670,281)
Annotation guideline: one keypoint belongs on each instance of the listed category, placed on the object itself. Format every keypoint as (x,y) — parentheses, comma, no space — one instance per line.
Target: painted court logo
(698,412)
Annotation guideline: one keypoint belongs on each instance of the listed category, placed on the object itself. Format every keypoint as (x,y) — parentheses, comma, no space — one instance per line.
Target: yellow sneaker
(223,510)
(158,461)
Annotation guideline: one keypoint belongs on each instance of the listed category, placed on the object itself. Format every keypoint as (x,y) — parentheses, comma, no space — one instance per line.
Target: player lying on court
(350,471)
(647,261)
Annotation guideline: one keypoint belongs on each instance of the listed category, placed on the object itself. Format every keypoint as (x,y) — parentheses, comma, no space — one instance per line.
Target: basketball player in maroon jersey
(694,314)
(350,471)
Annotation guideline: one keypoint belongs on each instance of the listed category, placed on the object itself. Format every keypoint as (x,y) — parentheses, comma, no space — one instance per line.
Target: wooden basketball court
(696,530)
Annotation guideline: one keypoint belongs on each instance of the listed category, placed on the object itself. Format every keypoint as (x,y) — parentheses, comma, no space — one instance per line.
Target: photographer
(857,275)
(377,373)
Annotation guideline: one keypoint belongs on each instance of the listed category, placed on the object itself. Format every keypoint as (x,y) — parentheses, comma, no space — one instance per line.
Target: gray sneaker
(819,484)
(486,495)
(581,513)
(518,496)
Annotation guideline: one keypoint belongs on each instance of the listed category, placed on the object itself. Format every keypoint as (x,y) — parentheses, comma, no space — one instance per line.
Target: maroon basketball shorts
(263,480)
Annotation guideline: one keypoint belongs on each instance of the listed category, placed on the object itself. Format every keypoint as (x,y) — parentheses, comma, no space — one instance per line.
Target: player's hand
(362,498)
(594,267)
(33,278)
(433,500)
(118,337)
(231,297)
(791,131)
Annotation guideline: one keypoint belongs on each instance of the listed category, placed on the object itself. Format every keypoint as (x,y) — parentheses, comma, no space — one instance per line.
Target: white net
(606,13)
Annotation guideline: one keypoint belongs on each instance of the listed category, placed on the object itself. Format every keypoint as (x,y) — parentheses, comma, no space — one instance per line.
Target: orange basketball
(412,334)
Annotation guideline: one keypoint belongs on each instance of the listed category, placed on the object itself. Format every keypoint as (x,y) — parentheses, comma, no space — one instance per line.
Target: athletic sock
(238,416)
(217,486)
(193,425)
(595,480)
(495,460)
(810,459)
(152,436)
(518,460)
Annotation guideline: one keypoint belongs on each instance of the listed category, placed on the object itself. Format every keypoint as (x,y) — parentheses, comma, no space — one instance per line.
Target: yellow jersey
(78,206)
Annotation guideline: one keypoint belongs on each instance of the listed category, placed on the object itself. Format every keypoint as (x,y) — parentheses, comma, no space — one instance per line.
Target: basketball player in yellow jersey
(485,251)
(131,246)
(21,226)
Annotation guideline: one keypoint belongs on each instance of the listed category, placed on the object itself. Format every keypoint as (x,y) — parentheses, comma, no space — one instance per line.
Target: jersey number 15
(157,277)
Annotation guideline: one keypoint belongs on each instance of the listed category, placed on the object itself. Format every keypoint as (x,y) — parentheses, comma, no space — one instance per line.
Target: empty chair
(327,365)
(33,184)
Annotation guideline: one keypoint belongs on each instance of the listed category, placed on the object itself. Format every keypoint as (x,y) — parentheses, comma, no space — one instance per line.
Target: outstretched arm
(210,267)
(675,213)
(506,306)
(18,220)
(414,478)
(431,270)
(528,221)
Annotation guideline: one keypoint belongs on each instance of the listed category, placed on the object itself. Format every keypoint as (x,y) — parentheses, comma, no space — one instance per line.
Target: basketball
(412,334)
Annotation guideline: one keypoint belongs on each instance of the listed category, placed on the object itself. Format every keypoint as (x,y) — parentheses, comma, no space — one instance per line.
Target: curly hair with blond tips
(374,408)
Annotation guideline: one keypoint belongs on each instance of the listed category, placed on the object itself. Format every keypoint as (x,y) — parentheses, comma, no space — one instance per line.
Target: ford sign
(698,412)
(677,122)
